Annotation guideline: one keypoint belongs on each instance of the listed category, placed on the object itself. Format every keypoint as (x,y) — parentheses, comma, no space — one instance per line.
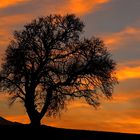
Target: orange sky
(7,3)
(119,27)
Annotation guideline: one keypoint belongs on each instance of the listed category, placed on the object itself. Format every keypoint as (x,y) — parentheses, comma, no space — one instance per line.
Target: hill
(19,131)
(7,122)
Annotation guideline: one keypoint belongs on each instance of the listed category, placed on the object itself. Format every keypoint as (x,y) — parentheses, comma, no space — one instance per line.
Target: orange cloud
(78,7)
(4,97)
(7,3)
(126,72)
(3,37)
(102,120)
(7,25)
(114,40)
(125,97)
(87,118)
(14,20)
(81,7)
(18,118)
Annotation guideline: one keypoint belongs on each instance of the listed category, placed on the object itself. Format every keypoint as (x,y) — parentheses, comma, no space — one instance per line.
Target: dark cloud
(129,86)
(129,51)
(113,16)
(135,104)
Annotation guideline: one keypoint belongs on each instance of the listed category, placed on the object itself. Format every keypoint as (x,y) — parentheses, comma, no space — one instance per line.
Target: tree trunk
(35,121)
(47,102)
(34,115)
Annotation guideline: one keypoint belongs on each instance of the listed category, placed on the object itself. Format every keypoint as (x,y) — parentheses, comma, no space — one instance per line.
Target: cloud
(7,3)
(35,7)
(14,16)
(4,97)
(125,97)
(7,25)
(78,7)
(119,39)
(124,45)
(130,63)
(126,72)
(3,37)
(82,7)
(18,118)
(104,119)
(20,16)
(111,117)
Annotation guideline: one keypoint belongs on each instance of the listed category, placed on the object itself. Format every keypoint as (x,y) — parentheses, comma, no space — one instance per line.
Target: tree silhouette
(48,63)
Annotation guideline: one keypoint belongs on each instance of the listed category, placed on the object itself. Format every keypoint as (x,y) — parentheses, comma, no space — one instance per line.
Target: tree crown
(50,59)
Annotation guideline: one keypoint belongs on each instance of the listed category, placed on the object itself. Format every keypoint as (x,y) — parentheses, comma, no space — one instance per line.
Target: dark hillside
(20,131)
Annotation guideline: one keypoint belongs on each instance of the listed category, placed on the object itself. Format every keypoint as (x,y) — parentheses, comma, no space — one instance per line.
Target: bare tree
(48,63)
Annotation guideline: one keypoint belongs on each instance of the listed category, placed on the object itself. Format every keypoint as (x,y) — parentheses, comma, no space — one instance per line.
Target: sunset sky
(117,22)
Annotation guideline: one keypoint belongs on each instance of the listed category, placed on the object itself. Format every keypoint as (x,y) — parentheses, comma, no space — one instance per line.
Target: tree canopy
(49,63)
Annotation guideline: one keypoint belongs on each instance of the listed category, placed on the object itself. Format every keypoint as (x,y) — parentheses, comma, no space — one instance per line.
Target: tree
(48,63)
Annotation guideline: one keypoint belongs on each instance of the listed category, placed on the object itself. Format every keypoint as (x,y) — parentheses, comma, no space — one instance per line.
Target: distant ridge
(7,122)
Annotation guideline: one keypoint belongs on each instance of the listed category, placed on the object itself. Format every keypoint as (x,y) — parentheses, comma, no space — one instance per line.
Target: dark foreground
(26,132)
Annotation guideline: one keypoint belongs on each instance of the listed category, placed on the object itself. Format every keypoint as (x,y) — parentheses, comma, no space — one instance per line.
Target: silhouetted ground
(20,131)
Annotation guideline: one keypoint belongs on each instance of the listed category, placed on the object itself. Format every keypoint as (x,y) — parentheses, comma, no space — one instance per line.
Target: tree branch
(7,79)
